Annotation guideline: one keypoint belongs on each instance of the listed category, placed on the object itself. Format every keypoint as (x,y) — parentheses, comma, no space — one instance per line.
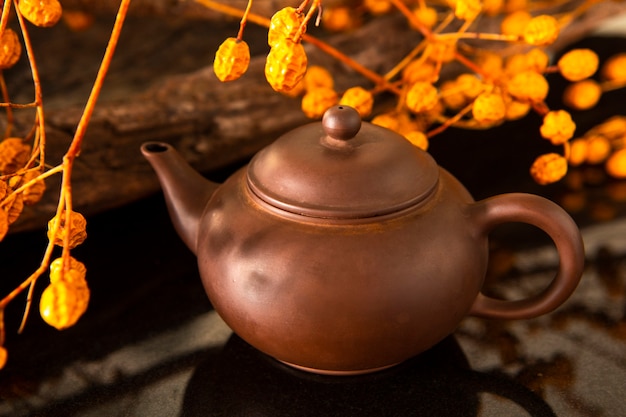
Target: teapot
(343,249)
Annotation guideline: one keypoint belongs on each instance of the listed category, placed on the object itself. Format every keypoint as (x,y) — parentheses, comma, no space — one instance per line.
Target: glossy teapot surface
(342,248)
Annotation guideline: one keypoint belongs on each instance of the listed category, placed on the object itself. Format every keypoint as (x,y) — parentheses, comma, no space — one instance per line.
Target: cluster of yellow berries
(494,87)
(603,144)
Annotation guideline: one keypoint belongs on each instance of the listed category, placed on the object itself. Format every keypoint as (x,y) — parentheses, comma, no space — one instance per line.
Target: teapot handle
(552,219)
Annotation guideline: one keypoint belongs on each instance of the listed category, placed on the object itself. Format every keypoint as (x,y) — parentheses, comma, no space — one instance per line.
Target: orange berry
(360,99)
(340,19)
(418,139)
(489,108)
(528,86)
(317,77)
(315,102)
(285,24)
(421,97)
(10,49)
(598,149)
(515,109)
(616,164)
(541,30)
(578,150)
(514,23)
(34,193)
(75,274)
(578,64)
(548,168)
(77,230)
(386,120)
(614,68)
(286,65)
(441,50)
(582,95)
(231,59)
(44,13)
(419,70)
(377,7)
(4,224)
(558,127)
(492,7)
(427,16)
(470,85)
(4,355)
(467,9)
(14,154)
(62,304)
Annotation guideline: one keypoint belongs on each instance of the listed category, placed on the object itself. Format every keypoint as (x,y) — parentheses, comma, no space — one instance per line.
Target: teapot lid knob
(341,122)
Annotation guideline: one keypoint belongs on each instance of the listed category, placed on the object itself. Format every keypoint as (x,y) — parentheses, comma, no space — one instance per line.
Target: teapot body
(337,295)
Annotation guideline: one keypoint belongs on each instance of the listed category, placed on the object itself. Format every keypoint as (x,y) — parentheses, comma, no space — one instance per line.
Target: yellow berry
(558,127)
(317,77)
(285,66)
(537,60)
(578,64)
(452,96)
(10,49)
(427,16)
(340,19)
(489,108)
(467,9)
(614,68)
(492,7)
(441,51)
(75,273)
(62,304)
(419,70)
(578,150)
(421,97)
(470,85)
(315,102)
(616,164)
(4,355)
(359,99)
(14,206)
(598,149)
(34,192)
(231,59)
(77,230)
(44,13)
(514,23)
(386,120)
(14,154)
(377,7)
(528,86)
(78,20)
(541,30)
(285,24)
(491,63)
(418,139)
(548,168)
(4,224)
(515,109)
(582,95)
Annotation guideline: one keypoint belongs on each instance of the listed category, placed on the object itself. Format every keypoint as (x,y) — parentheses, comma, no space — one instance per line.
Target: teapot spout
(186,191)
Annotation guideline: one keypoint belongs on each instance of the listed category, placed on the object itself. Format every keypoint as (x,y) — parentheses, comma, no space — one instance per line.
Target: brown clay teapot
(341,248)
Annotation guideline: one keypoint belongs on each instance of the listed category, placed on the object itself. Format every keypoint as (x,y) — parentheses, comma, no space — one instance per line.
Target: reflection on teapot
(343,249)
(240,381)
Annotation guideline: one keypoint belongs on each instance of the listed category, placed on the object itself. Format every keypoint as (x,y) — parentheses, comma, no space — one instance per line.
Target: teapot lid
(342,168)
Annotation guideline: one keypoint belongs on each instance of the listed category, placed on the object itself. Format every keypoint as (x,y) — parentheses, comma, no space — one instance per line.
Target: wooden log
(213,124)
